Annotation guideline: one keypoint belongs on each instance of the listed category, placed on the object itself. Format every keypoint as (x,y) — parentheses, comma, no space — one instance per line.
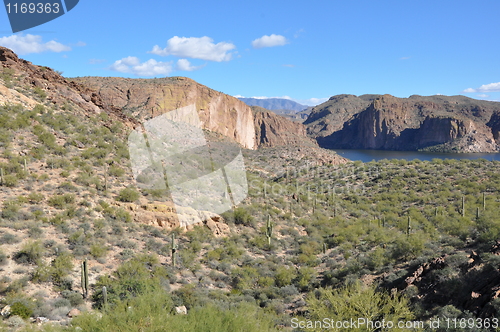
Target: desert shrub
(30,253)
(62,265)
(10,180)
(155,306)
(98,250)
(20,309)
(35,197)
(116,171)
(357,300)
(74,298)
(9,238)
(60,201)
(3,258)
(284,276)
(40,93)
(242,217)
(128,195)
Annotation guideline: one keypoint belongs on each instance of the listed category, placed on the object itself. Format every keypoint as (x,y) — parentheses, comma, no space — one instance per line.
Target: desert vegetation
(410,240)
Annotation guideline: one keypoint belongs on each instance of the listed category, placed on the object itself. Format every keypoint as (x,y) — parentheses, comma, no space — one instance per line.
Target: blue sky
(305,50)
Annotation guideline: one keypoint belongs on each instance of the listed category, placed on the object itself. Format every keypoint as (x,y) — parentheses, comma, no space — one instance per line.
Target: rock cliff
(274,130)
(435,123)
(144,99)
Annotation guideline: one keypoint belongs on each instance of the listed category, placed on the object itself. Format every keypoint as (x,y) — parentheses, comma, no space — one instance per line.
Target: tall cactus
(104,297)
(1,176)
(484,201)
(85,279)
(269,231)
(408,229)
(463,206)
(174,250)
(105,177)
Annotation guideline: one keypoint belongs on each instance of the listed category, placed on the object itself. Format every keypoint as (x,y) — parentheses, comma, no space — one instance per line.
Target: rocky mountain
(434,123)
(274,104)
(273,130)
(144,99)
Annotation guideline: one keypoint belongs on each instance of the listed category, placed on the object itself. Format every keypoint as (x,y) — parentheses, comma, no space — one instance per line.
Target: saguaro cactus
(463,206)
(174,250)
(105,177)
(1,176)
(408,229)
(269,231)
(104,297)
(484,201)
(85,279)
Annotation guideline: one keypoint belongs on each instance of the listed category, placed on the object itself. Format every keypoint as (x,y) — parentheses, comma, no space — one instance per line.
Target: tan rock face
(388,123)
(144,99)
(165,215)
(274,130)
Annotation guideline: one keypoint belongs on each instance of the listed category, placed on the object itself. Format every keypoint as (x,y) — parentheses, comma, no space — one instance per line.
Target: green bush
(357,300)
(30,253)
(243,217)
(60,201)
(128,195)
(21,310)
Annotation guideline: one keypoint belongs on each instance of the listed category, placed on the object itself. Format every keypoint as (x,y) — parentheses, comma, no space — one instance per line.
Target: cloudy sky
(303,50)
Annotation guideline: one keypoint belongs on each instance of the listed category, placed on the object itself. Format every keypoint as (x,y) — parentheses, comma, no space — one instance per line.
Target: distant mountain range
(274,104)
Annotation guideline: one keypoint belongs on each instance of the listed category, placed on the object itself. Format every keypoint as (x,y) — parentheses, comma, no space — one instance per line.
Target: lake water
(369,155)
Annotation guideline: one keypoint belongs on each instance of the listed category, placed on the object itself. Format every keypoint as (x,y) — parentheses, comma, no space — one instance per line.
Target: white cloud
(269,41)
(185,65)
(483,95)
(492,87)
(134,66)
(196,48)
(31,44)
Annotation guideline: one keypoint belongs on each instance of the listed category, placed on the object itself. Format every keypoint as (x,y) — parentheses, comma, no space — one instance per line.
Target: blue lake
(369,155)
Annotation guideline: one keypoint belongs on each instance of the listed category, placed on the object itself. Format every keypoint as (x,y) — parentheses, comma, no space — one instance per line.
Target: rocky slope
(436,123)
(48,84)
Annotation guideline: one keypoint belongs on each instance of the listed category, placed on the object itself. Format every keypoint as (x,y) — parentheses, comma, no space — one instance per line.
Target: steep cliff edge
(144,99)
(435,123)
(273,130)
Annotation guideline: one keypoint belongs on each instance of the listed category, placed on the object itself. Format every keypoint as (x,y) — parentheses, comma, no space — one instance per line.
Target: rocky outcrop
(144,99)
(166,216)
(436,123)
(274,130)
